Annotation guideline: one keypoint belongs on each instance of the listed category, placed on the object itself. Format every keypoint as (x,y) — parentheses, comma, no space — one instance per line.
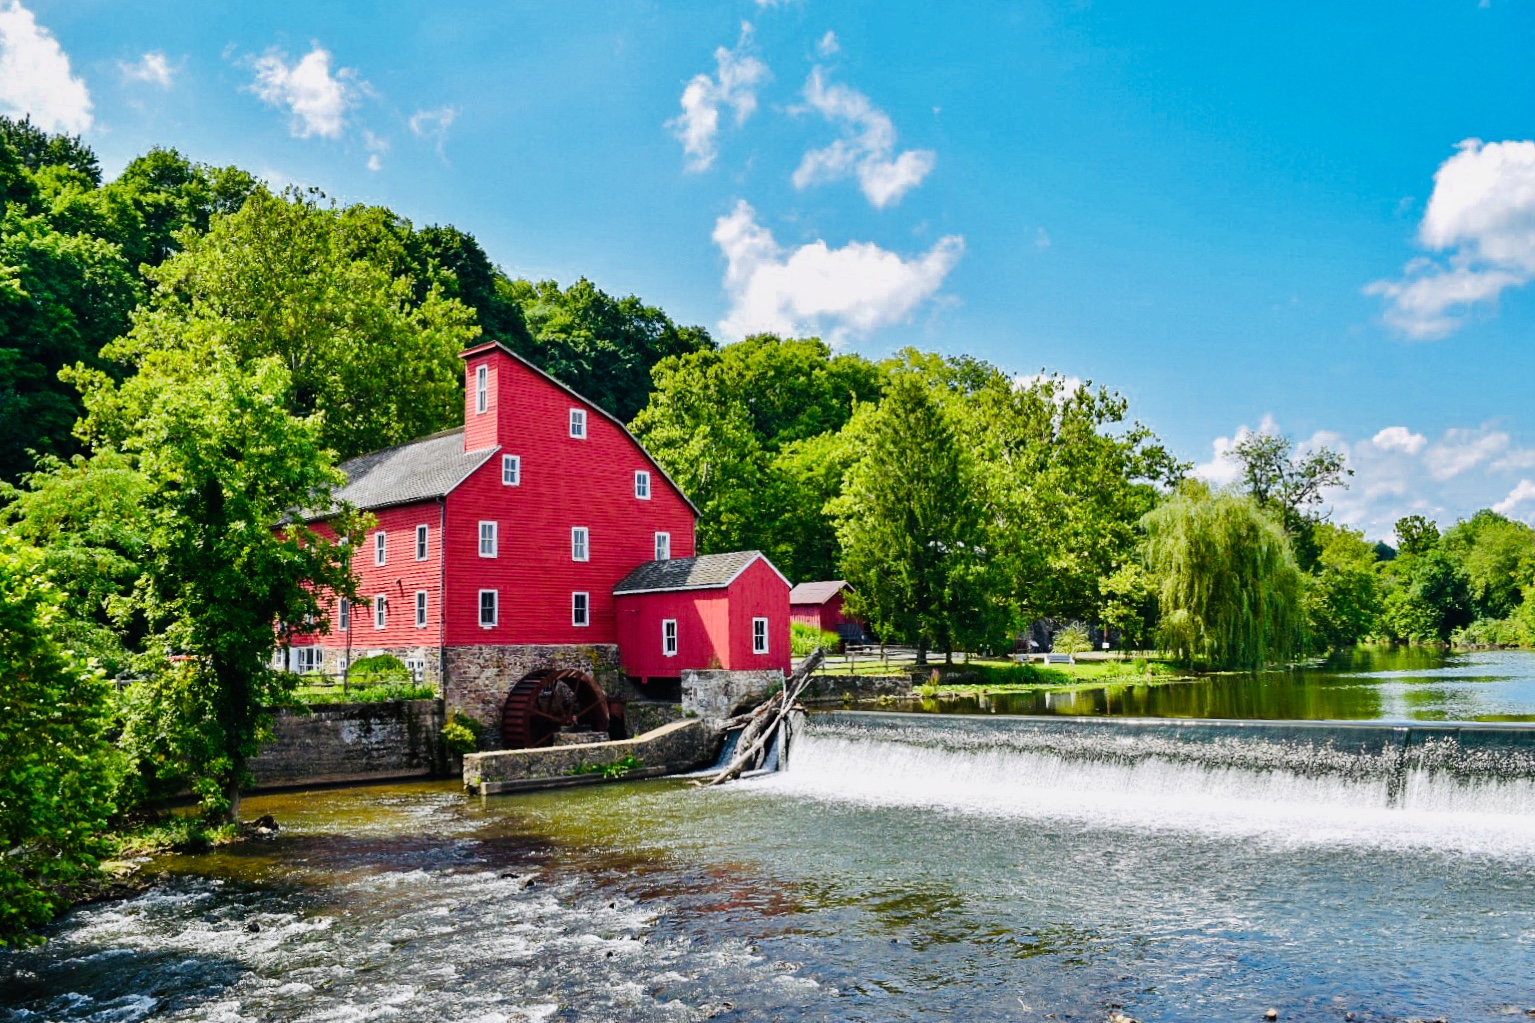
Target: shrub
(381,669)
(365,694)
(462,733)
(803,639)
(1072,639)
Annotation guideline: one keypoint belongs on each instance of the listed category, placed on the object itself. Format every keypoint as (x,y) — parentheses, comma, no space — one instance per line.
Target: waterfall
(1466,787)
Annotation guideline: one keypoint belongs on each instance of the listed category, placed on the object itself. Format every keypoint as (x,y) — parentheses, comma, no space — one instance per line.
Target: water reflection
(1365,684)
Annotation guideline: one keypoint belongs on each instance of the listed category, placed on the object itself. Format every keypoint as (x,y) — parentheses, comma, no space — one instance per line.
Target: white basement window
(511,470)
(481,388)
(759,635)
(487,539)
(578,423)
(307,659)
(663,546)
(420,609)
(580,609)
(489,599)
(669,637)
(421,537)
(642,484)
(580,544)
(380,611)
(378,547)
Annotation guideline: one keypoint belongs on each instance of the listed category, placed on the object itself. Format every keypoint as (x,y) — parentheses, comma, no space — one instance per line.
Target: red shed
(819,605)
(726,611)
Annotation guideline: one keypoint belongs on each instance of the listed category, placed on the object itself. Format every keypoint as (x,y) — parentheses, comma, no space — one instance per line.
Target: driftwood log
(764,722)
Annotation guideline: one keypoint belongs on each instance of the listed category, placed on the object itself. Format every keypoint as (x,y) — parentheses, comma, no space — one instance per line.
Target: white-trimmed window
(416,666)
(489,606)
(642,484)
(346,615)
(511,470)
(581,609)
(759,635)
(420,609)
(380,611)
(481,388)
(578,423)
(663,546)
(580,544)
(379,550)
(669,637)
(308,658)
(421,546)
(487,539)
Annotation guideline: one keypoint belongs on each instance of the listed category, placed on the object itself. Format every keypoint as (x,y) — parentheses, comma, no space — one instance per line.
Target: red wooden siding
(714,626)
(759,592)
(399,577)
(825,616)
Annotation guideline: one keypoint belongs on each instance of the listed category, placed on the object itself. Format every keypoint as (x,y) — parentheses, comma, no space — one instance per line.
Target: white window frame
(381,611)
(307,659)
(580,543)
(669,637)
(511,470)
(423,543)
(580,609)
(642,484)
(380,548)
(759,635)
(481,389)
(345,610)
(495,609)
(578,423)
(663,550)
(493,547)
(417,668)
(420,609)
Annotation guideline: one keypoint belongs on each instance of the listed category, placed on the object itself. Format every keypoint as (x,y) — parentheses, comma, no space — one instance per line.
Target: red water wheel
(550,701)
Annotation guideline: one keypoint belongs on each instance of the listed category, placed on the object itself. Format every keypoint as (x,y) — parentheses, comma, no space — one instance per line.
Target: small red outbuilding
(726,611)
(819,605)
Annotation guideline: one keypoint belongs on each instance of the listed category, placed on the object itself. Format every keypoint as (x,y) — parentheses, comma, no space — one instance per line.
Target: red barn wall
(703,631)
(758,592)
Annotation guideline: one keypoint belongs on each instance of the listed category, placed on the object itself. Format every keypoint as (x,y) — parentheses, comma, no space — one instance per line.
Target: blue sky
(1301,215)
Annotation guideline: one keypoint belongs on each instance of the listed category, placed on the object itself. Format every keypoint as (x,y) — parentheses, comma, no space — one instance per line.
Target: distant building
(499,546)
(820,605)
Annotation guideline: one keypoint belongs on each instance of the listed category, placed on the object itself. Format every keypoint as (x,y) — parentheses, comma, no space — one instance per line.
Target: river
(883,877)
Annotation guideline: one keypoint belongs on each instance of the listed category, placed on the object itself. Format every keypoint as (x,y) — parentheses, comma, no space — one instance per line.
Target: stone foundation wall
(676,747)
(641,716)
(331,658)
(479,677)
(351,742)
(715,694)
(837,689)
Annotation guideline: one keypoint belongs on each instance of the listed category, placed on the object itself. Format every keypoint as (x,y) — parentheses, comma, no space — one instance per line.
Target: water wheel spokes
(547,702)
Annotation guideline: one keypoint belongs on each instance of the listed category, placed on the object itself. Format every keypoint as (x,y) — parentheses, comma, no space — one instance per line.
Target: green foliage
(1290,484)
(36,148)
(57,769)
(1497,557)
(462,733)
(1071,639)
(1227,583)
(380,669)
(1416,534)
(376,693)
(1345,597)
(613,771)
(1129,603)
(1430,598)
(803,639)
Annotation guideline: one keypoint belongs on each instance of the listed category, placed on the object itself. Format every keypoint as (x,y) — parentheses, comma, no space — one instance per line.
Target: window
(511,470)
(580,609)
(421,543)
(669,637)
(307,659)
(380,611)
(416,666)
(642,484)
(578,423)
(481,388)
(663,546)
(487,539)
(378,547)
(488,601)
(420,609)
(346,615)
(579,545)
(759,635)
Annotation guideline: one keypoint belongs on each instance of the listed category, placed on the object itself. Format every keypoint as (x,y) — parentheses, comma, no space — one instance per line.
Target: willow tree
(1226,580)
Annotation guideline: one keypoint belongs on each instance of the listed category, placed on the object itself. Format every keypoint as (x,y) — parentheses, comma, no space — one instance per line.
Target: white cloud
(377,147)
(1461,450)
(1222,469)
(433,124)
(815,288)
(1041,239)
(1523,491)
(1399,438)
(317,99)
(828,45)
(35,79)
(866,148)
(1482,216)
(734,85)
(153,67)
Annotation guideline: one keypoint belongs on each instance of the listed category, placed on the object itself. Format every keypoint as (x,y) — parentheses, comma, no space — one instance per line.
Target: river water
(947,872)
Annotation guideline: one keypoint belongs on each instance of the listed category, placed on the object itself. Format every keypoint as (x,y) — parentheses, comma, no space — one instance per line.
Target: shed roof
(705,572)
(816,592)
(421,470)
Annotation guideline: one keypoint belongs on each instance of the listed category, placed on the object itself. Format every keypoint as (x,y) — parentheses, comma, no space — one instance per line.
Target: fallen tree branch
(766,720)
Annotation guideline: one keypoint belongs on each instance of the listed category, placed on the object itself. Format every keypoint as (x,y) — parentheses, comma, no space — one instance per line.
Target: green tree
(1430,598)
(1345,598)
(37,148)
(909,523)
(1227,583)
(1497,557)
(225,464)
(1416,535)
(57,769)
(1291,483)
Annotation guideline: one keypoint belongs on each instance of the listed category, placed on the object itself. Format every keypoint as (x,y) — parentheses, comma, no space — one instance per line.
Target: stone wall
(641,716)
(837,689)
(715,694)
(352,742)
(669,749)
(479,677)
(332,657)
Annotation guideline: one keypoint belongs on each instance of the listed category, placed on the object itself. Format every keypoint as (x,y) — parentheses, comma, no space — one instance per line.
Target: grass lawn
(1010,676)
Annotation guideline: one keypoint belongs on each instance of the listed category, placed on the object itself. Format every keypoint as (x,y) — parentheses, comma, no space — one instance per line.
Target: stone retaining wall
(837,689)
(352,742)
(716,694)
(479,677)
(679,746)
(641,716)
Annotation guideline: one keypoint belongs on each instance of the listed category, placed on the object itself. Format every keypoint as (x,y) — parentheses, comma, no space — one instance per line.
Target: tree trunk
(232,795)
(922,652)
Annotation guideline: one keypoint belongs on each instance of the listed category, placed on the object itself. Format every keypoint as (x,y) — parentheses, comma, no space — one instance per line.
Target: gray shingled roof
(706,572)
(817,592)
(422,470)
